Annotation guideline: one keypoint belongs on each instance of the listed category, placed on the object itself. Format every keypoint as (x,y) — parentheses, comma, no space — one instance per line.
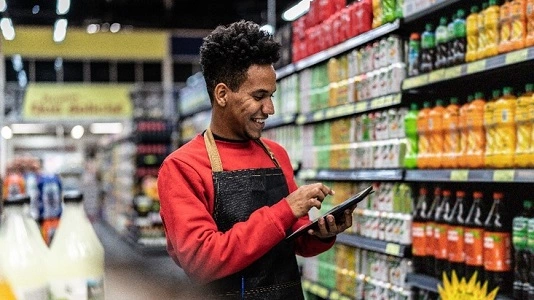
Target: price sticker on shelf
(393,249)
(516,56)
(360,106)
(437,75)
(306,285)
(288,119)
(388,101)
(476,66)
(334,295)
(323,292)
(413,82)
(330,113)
(344,298)
(459,175)
(318,115)
(301,119)
(453,72)
(377,103)
(503,175)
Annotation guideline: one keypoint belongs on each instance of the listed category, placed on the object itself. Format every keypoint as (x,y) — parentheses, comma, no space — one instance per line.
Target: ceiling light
(16,60)
(3,5)
(7,29)
(36,9)
(296,11)
(115,27)
(60,30)
(105,128)
(93,28)
(268,27)
(62,7)
(77,132)
(28,128)
(7,133)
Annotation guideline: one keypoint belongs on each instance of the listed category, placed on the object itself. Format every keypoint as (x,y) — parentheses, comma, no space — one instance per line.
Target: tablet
(336,211)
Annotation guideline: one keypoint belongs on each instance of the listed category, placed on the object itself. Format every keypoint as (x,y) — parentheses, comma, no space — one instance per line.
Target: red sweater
(186,192)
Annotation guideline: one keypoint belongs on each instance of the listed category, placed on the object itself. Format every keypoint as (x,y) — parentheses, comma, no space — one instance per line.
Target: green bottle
(410,128)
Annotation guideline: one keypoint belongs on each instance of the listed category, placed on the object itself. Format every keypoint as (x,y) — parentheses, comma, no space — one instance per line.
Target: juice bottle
(442,44)
(455,235)
(441,228)
(451,133)
(435,128)
(505,132)
(460,42)
(524,127)
(429,232)
(491,25)
(6,292)
(451,42)
(489,127)
(505,26)
(472,34)
(13,184)
(418,231)
(476,140)
(410,127)
(462,127)
(497,247)
(518,33)
(473,238)
(521,257)
(428,48)
(529,40)
(414,54)
(482,35)
(423,145)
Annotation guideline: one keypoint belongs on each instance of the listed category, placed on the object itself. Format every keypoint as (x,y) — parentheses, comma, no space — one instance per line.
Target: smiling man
(228,197)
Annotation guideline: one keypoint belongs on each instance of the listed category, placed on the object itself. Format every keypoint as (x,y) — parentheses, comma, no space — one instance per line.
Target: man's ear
(221,94)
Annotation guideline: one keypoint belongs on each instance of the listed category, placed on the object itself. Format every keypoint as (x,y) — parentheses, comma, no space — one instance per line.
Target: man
(228,198)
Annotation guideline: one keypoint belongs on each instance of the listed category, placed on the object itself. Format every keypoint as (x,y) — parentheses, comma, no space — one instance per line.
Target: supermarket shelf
(430,10)
(337,49)
(280,120)
(349,109)
(471,68)
(195,110)
(464,175)
(353,175)
(144,249)
(374,245)
(321,291)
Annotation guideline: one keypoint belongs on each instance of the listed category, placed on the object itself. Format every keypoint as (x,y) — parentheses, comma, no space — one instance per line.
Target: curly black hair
(228,52)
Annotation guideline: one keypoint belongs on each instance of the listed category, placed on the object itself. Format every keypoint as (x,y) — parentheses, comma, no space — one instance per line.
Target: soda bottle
(442,44)
(505,132)
(414,54)
(482,35)
(50,191)
(428,46)
(491,25)
(530,250)
(418,232)
(429,232)
(6,292)
(451,37)
(505,27)
(472,34)
(76,264)
(489,126)
(474,238)
(529,39)
(451,133)
(435,129)
(518,15)
(476,136)
(462,127)
(524,127)
(460,41)
(497,247)
(440,231)
(423,144)
(455,235)
(410,127)
(13,184)
(521,255)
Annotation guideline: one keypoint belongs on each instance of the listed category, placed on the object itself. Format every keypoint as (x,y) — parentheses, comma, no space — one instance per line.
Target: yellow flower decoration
(455,289)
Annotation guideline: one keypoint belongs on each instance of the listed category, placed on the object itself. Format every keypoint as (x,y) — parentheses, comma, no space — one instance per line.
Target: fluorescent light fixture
(77,132)
(105,128)
(16,60)
(115,27)
(7,133)
(60,30)
(297,10)
(93,28)
(7,28)
(36,9)
(268,27)
(62,7)
(3,5)
(28,128)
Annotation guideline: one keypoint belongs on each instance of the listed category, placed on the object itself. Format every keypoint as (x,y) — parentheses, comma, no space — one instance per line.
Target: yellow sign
(77,101)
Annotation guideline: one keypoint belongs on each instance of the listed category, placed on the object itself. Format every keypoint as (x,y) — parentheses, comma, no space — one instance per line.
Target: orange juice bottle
(482,36)
(529,40)
(489,127)
(476,141)
(472,34)
(451,135)
(523,127)
(491,25)
(505,133)
(462,127)
(423,144)
(505,26)
(435,128)
(518,15)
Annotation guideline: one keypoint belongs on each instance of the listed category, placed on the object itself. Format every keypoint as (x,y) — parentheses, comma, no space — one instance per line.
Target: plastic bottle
(414,52)
(460,40)
(440,231)
(442,44)
(418,231)
(76,268)
(529,39)
(474,238)
(518,34)
(423,145)
(436,133)
(505,26)
(472,34)
(489,127)
(521,257)
(524,127)
(497,247)
(428,47)
(476,136)
(388,10)
(505,132)
(462,127)
(451,37)
(23,261)
(455,235)
(530,249)
(429,232)
(482,35)
(491,25)
(451,133)
(410,127)
(6,292)
(13,184)
(50,191)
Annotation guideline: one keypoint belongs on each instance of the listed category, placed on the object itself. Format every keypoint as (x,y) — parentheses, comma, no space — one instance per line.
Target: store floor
(130,275)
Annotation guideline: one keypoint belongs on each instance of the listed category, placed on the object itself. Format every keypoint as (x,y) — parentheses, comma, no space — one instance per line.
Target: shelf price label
(437,75)
(301,119)
(393,249)
(476,66)
(414,81)
(504,175)
(459,175)
(288,119)
(330,113)
(378,102)
(306,285)
(334,295)
(516,56)
(360,106)
(318,115)
(453,72)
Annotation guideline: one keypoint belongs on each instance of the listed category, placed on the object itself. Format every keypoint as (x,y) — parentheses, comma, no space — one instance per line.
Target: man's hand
(306,197)
(329,227)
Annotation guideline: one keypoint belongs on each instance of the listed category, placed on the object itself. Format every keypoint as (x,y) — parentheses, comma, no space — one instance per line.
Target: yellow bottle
(489,126)
(471,26)
(491,25)
(505,26)
(5,291)
(518,34)
(482,38)
(524,127)
(505,132)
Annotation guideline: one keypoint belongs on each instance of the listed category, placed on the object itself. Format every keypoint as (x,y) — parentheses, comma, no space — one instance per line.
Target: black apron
(237,195)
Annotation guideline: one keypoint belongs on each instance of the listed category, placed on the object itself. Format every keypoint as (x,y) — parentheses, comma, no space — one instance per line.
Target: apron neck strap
(215,159)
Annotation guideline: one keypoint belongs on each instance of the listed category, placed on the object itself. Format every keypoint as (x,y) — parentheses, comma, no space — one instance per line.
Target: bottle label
(430,243)
(440,236)
(31,293)
(530,234)
(78,288)
(418,239)
(455,240)
(520,232)
(473,246)
(497,247)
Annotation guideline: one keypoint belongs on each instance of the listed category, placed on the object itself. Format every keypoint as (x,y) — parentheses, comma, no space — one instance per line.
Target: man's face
(248,108)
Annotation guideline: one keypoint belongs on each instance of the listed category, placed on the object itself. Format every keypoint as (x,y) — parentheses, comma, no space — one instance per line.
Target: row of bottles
(71,268)
(523,245)
(448,234)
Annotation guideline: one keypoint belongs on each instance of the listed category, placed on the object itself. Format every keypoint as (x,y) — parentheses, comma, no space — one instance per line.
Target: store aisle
(133,276)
